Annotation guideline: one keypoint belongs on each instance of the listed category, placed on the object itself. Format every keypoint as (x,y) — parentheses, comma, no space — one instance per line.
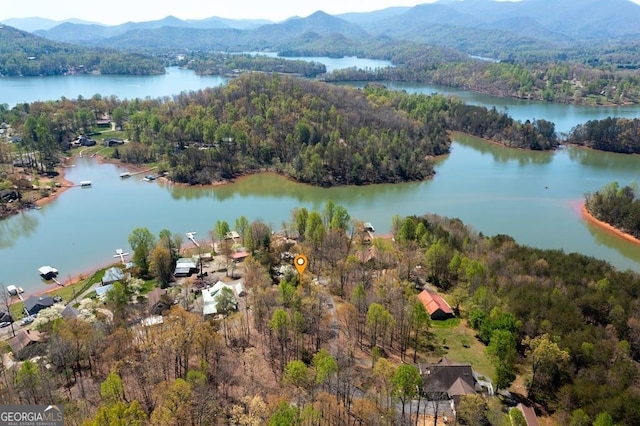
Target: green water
(532,196)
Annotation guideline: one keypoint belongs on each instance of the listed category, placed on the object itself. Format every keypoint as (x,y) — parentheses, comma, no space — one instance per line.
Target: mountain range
(467,25)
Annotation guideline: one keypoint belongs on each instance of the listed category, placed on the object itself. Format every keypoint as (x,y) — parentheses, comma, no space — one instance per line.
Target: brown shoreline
(606,226)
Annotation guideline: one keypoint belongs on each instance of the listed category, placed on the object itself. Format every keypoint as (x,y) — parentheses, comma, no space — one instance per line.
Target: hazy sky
(114,12)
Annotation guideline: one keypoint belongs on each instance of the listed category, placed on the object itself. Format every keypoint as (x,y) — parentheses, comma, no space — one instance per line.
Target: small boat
(85,183)
(125,175)
(149,178)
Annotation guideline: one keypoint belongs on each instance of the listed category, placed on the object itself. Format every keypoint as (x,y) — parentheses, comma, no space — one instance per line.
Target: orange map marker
(300,262)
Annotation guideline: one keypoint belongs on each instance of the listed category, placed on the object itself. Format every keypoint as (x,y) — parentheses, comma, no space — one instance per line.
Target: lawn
(454,339)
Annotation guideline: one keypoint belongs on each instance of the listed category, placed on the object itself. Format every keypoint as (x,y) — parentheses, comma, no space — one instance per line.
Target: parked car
(4,324)
(26,320)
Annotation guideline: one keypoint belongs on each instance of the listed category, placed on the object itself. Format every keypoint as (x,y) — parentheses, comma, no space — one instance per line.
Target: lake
(533,196)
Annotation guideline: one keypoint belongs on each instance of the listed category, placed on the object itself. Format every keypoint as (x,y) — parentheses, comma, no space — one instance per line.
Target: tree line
(610,134)
(230,64)
(617,206)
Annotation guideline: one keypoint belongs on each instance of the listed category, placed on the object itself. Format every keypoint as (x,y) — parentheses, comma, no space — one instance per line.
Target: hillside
(24,54)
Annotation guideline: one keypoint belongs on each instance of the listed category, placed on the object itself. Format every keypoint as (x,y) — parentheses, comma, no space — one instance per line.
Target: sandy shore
(61,180)
(604,225)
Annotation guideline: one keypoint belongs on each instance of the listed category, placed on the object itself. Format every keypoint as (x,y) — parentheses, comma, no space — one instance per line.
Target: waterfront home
(35,304)
(185,267)
(113,274)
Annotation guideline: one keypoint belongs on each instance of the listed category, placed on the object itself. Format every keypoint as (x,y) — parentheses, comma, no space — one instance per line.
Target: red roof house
(436,306)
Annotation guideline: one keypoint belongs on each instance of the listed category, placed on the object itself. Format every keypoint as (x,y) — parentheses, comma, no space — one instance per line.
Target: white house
(211,296)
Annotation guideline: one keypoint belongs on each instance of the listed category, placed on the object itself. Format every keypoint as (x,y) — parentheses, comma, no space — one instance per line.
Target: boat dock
(49,273)
(191,236)
(121,254)
(12,290)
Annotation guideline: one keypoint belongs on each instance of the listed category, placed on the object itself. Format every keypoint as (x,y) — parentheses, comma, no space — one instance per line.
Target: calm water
(531,196)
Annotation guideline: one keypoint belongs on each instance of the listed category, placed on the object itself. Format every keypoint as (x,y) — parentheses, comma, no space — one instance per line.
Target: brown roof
(446,377)
(24,338)
(155,296)
(433,302)
(460,388)
(529,414)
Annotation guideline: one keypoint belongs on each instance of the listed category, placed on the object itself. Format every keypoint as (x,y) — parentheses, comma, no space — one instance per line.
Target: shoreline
(606,226)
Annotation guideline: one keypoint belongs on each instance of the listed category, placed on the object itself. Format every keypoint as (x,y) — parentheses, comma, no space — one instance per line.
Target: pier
(191,236)
(121,254)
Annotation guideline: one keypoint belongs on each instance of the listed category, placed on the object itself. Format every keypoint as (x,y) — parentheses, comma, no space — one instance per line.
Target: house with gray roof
(112,275)
(35,304)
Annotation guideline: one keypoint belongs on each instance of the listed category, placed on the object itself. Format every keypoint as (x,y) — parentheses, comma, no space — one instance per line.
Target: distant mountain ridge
(468,25)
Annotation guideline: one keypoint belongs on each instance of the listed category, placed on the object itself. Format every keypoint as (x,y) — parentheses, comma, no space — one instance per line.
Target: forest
(617,206)
(230,64)
(611,134)
(584,75)
(25,55)
(343,349)
(310,131)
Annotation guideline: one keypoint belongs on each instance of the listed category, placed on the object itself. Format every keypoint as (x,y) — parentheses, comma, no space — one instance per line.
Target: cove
(532,196)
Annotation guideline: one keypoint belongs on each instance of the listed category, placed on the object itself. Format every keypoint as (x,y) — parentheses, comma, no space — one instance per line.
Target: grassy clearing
(454,339)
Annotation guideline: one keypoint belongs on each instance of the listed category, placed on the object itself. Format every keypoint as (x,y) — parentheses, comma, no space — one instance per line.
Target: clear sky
(113,12)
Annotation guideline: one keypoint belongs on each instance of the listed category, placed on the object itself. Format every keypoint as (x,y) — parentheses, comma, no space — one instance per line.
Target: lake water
(532,196)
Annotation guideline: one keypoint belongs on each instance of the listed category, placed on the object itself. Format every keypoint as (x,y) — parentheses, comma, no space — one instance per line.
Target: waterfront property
(185,266)
(35,304)
(113,274)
